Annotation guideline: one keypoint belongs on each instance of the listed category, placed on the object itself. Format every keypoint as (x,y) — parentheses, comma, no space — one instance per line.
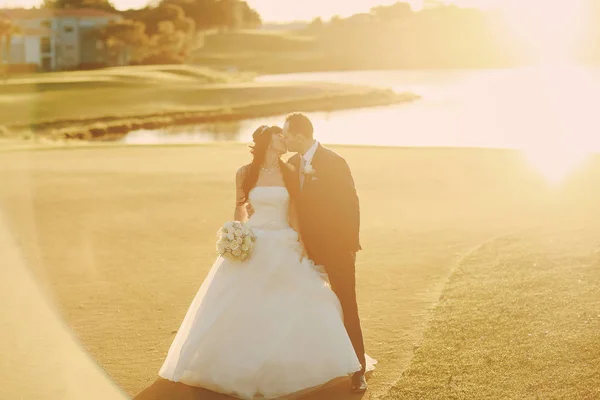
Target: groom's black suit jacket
(329,217)
(328,207)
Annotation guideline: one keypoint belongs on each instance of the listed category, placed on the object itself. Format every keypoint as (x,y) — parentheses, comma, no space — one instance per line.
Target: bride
(270,326)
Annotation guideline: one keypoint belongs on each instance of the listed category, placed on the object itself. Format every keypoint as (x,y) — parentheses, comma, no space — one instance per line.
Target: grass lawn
(123,97)
(246,41)
(123,237)
(358,47)
(520,319)
(266,52)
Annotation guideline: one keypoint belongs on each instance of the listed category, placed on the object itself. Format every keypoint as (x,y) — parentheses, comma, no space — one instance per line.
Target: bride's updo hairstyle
(261,139)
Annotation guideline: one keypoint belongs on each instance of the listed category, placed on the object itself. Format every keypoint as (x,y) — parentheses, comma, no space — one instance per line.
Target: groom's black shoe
(359,382)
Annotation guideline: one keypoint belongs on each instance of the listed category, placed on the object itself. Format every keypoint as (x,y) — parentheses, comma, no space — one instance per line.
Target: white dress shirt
(306,159)
(310,153)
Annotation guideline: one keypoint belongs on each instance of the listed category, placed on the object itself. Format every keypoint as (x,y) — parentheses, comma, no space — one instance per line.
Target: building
(57,40)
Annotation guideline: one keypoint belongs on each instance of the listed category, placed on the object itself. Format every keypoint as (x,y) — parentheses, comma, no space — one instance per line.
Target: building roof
(35,13)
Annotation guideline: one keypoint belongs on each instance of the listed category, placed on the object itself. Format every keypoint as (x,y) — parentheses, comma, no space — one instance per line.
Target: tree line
(165,32)
(444,35)
(440,35)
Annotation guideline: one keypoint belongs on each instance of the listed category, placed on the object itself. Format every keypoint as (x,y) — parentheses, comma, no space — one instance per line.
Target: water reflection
(206,133)
(548,112)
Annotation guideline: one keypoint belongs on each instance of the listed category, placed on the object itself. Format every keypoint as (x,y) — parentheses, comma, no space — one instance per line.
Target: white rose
(245,247)
(230,236)
(220,248)
(234,246)
(308,169)
(246,230)
(239,240)
(237,252)
(238,232)
(248,240)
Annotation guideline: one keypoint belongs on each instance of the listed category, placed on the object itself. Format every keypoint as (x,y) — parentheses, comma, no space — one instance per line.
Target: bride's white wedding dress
(265,328)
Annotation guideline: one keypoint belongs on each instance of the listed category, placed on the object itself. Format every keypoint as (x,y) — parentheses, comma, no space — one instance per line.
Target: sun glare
(555,164)
(564,135)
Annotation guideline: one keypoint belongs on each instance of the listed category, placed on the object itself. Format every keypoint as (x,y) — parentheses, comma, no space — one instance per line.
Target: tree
(152,17)
(125,37)
(203,12)
(393,12)
(336,21)
(172,34)
(250,17)
(168,39)
(105,5)
(168,45)
(209,14)
(316,24)
(176,15)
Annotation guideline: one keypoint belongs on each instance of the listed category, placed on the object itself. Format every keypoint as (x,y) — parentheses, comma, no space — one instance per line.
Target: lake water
(551,113)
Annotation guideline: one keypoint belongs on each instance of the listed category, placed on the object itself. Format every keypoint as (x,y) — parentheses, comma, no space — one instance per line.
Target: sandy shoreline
(122,237)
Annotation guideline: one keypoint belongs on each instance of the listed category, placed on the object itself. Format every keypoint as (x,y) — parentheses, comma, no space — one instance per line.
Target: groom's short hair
(299,123)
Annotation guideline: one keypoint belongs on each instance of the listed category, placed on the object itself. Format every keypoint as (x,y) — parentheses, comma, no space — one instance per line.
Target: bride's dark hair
(261,140)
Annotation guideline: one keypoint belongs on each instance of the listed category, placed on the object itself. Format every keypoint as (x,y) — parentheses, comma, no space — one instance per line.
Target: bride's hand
(249,209)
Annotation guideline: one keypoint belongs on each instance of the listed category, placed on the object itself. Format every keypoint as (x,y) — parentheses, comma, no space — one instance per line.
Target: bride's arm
(240,213)
(295,225)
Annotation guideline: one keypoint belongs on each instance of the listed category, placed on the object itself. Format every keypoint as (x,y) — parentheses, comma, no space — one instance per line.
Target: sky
(290,10)
(282,10)
(306,10)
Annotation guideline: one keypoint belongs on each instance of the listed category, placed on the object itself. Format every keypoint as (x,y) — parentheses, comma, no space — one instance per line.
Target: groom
(329,216)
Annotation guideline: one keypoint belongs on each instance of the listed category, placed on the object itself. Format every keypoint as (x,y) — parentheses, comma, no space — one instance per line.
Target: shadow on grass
(163,389)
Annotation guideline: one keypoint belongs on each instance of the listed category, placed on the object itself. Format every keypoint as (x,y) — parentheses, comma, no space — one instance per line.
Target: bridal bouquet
(235,241)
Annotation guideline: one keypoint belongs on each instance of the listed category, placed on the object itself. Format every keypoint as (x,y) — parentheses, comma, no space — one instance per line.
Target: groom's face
(291,139)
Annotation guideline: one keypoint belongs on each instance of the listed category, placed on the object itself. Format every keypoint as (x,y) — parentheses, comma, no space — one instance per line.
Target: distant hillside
(289,26)
(389,37)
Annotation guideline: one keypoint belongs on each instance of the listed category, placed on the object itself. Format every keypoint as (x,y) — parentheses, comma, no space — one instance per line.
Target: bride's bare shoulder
(242,172)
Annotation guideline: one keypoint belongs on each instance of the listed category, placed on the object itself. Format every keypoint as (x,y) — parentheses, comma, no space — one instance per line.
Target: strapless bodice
(270,205)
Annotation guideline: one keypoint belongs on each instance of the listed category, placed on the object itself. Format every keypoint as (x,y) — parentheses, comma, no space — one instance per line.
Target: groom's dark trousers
(340,268)
(329,216)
